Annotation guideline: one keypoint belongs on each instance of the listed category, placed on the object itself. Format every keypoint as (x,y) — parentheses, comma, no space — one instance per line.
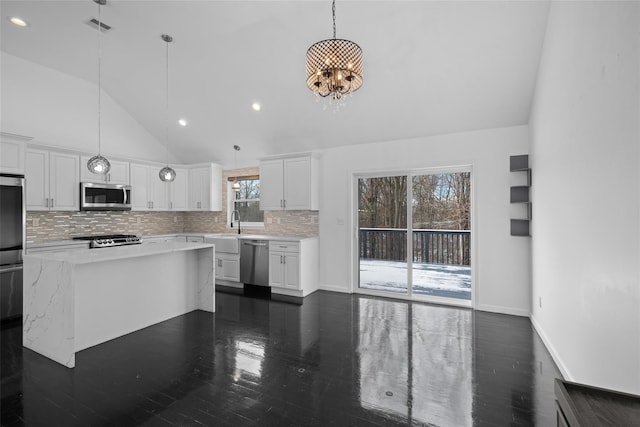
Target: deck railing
(430,246)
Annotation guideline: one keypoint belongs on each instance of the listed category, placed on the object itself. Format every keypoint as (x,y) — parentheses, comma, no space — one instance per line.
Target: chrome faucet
(236,213)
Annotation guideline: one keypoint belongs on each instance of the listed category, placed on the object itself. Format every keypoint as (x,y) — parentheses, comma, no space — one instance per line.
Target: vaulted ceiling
(430,67)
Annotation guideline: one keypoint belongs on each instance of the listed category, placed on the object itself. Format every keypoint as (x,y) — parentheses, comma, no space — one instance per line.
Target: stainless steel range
(110,240)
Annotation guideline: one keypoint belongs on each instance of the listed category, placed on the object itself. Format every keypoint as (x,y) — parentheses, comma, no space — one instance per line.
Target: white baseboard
(552,351)
(334,288)
(503,310)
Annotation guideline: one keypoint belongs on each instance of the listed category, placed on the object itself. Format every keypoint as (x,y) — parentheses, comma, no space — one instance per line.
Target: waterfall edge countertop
(86,256)
(75,299)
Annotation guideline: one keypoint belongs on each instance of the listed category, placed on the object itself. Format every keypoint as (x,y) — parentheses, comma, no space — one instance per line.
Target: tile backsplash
(43,226)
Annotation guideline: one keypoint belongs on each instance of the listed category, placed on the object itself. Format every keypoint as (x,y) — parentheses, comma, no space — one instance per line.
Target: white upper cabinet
(205,188)
(12,154)
(271,185)
(149,192)
(52,180)
(290,183)
(178,190)
(119,173)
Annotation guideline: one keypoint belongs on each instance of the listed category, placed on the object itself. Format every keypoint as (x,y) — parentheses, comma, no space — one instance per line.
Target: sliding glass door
(382,231)
(423,252)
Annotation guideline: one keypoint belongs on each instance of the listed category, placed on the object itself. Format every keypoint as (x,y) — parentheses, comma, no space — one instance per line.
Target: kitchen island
(80,298)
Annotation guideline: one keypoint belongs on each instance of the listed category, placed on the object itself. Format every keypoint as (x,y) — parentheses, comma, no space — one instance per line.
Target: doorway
(414,235)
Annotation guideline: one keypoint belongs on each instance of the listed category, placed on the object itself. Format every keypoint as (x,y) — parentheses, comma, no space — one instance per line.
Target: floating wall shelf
(520,194)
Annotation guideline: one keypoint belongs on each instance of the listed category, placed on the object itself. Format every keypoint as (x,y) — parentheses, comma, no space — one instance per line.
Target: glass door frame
(355,242)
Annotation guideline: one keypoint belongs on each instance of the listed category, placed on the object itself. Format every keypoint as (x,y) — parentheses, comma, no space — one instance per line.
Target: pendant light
(236,184)
(334,67)
(167,173)
(99,164)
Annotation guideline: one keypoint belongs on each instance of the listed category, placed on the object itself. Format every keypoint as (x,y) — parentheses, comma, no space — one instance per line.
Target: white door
(297,183)
(292,271)
(139,187)
(64,181)
(276,269)
(158,190)
(271,185)
(37,180)
(178,189)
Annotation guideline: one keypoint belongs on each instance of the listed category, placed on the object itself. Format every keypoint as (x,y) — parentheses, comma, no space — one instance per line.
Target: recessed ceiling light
(18,21)
(256,107)
(182,122)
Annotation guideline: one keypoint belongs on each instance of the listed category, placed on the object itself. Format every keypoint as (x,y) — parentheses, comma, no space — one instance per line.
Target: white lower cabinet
(284,265)
(228,267)
(293,266)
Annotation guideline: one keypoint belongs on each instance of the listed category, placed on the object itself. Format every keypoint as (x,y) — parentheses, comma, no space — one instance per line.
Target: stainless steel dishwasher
(254,262)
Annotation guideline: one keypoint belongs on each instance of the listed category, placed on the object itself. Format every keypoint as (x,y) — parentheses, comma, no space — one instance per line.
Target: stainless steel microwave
(105,197)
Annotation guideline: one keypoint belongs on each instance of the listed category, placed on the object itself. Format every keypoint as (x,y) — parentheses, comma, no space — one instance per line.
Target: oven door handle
(10,268)
(124,192)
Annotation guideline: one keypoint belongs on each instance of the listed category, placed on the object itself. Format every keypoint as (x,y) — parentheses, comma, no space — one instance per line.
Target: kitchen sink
(224,243)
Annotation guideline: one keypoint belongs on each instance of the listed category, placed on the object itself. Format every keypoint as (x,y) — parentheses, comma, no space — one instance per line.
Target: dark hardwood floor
(342,360)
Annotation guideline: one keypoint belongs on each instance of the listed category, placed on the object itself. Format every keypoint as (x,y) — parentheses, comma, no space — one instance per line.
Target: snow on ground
(452,281)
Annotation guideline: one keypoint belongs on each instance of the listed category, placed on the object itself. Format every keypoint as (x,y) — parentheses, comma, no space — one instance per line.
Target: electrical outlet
(139,219)
(269,220)
(36,222)
(175,219)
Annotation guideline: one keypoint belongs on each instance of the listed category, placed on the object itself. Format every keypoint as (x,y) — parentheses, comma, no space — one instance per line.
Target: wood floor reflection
(336,359)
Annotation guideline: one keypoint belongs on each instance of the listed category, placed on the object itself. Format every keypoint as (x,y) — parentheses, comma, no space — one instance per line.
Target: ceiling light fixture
(182,122)
(256,106)
(167,173)
(15,20)
(99,164)
(334,67)
(236,184)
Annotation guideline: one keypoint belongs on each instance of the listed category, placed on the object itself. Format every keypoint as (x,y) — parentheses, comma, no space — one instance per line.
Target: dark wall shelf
(520,194)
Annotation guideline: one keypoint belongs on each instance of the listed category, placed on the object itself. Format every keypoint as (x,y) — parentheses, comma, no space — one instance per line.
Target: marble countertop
(53,243)
(88,256)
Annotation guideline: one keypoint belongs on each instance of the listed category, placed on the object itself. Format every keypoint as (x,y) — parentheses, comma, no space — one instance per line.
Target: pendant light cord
(99,68)
(333,11)
(166,118)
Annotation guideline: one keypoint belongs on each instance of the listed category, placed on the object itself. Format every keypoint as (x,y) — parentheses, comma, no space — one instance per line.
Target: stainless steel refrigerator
(12,244)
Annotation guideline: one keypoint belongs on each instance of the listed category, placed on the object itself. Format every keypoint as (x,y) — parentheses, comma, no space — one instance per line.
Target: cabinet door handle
(284,203)
(52,202)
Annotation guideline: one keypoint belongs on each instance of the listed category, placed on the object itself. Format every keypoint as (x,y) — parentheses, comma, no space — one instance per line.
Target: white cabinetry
(195,239)
(205,188)
(293,266)
(290,184)
(228,267)
(119,173)
(284,265)
(179,190)
(12,152)
(149,193)
(52,181)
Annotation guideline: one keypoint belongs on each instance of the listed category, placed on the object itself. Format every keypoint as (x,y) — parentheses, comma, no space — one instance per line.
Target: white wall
(584,147)
(503,262)
(60,110)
